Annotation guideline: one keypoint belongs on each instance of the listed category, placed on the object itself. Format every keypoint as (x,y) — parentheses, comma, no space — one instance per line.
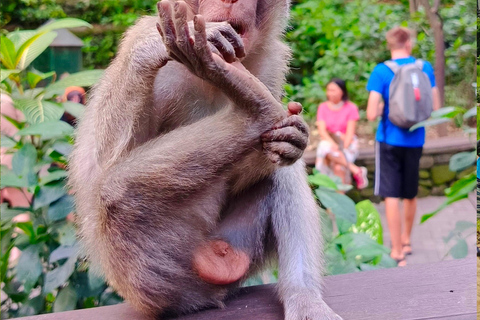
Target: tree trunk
(437,26)
(413,7)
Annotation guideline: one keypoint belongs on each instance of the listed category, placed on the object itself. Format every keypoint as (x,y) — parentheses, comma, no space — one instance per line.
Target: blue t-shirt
(380,82)
(478,168)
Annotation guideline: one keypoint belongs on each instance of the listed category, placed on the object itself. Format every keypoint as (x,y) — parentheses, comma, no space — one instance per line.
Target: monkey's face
(250,18)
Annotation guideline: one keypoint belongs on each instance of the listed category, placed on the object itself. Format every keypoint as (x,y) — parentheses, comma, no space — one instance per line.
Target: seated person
(338,148)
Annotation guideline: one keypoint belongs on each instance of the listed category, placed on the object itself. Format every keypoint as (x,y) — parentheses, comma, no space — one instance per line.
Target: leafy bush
(462,187)
(346,39)
(49,275)
(353,232)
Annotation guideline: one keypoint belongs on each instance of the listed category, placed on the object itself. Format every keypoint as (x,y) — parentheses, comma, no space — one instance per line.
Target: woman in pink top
(338,148)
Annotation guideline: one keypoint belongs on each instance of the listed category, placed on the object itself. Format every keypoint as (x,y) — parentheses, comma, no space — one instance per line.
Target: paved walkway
(427,238)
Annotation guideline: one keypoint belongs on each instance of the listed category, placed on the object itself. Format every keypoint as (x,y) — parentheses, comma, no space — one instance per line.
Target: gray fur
(164,160)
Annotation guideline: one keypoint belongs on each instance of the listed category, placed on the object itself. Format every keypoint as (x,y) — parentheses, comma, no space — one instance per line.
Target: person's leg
(392,211)
(411,164)
(409,207)
(388,185)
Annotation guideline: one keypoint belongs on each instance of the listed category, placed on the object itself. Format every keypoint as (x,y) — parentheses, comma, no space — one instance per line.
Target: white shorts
(325,148)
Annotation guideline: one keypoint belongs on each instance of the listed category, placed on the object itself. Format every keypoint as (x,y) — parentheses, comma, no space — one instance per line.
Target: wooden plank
(445,290)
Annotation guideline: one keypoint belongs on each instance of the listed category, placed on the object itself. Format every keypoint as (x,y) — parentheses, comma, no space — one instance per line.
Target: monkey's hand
(196,53)
(307,305)
(285,142)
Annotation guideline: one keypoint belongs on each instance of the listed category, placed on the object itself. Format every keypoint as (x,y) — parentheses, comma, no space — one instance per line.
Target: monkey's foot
(219,263)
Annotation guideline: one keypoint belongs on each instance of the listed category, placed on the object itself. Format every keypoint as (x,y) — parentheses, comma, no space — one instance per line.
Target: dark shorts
(396,171)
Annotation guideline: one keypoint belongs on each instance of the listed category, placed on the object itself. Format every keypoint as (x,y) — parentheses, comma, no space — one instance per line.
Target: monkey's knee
(217,262)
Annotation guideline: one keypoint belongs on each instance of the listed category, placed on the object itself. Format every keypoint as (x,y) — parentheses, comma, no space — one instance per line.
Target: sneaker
(361,178)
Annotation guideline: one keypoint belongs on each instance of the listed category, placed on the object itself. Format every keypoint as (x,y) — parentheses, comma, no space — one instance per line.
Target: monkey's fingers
(282,153)
(293,121)
(294,108)
(234,38)
(208,66)
(223,46)
(287,134)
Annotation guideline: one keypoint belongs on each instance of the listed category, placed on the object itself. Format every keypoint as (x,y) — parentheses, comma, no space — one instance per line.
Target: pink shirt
(336,120)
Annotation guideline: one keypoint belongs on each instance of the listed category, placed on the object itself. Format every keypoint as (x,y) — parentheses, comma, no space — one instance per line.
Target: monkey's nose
(229,1)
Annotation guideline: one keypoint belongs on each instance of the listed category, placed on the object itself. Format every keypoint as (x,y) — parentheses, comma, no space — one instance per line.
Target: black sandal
(407,245)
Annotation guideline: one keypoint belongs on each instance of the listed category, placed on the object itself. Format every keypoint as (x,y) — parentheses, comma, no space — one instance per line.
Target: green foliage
(346,39)
(356,242)
(48,276)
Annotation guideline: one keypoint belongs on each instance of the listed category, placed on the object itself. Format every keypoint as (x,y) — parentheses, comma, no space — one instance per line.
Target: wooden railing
(445,290)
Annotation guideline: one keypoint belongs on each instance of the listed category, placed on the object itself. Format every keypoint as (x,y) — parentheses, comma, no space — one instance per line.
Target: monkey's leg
(241,234)
(296,225)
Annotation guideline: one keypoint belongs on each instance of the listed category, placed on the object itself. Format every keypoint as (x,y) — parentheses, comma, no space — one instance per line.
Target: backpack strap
(419,64)
(392,65)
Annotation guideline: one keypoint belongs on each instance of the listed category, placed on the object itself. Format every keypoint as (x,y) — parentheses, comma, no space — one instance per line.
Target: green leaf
(10,179)
(360,247)
(368,221)
(29,267)
(60,275)
(463,186)
(67,235)
(60,209)
(63,252)
(66,299)
(5,73)
(430,122)
(7,142)
(472,112)
(8,53)
(460,250)
(32,307)
(14,122)
(75,109)
(9,213)
(53,176)
(462,161)
(27,228)
(48,194)
(24,159)
(34,78)
(62,147)
(94,281)
(446,112)
(322,180)
(19,37)
(48,130)
(33,47)
(340,205)
(38,111)
(65,23)
(79,79)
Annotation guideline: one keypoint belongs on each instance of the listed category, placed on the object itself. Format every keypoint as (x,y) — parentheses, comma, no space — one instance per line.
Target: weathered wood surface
(444,290)
(436,146)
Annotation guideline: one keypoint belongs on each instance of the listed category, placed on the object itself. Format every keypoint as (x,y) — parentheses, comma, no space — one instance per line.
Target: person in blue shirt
(398,150)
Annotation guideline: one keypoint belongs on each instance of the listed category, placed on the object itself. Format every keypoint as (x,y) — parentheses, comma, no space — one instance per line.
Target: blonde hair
(398,37)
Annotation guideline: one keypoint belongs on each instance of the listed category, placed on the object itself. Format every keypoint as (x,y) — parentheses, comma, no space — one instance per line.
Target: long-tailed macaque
(185,165)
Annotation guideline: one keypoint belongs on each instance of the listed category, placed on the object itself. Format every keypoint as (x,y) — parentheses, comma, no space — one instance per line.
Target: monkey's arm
(125,92)
(243,88)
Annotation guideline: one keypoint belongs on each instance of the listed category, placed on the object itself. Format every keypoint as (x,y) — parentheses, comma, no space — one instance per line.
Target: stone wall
(435,176)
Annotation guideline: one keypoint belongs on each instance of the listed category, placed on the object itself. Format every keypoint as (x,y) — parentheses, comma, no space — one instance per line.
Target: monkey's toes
(217,262)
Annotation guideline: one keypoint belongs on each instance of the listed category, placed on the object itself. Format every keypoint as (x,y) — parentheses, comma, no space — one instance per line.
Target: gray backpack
(410,94)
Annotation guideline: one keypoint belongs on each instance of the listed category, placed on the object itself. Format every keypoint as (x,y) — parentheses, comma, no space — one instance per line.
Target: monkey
(186,168)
